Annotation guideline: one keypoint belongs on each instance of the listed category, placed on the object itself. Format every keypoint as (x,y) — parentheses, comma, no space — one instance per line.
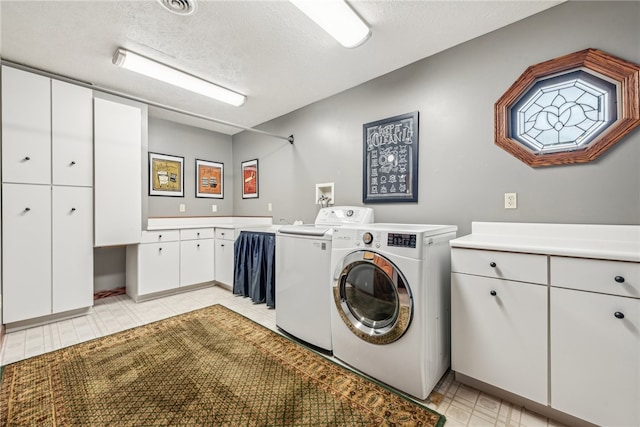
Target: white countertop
(616,242)
(170,223)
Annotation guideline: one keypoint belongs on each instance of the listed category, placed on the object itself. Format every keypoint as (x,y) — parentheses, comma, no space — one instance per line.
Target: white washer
(303,274)
(390,310)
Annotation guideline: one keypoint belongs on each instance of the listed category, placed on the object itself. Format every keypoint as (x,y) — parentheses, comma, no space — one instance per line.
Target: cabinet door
(118,173)
(72,216)
(72,134)
(595,357)
(196,261)
(26,127)
(159,267)
(224,262)
(26,251)
(500,339)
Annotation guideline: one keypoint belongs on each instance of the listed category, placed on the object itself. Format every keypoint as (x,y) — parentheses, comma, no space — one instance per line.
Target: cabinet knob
(619,279)
(198,234)
(160,236)
(493,293)
(198,244)
(222,246)
(73,209)
(159,249)
(492,264)
(27,209)
(619,315)
(27,158)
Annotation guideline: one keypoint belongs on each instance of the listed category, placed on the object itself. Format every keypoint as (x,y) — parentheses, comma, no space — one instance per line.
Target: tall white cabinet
(47,196)
(551,313)
(118,173)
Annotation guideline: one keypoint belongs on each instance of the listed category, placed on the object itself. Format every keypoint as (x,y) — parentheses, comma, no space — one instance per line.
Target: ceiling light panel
(337,18)
(150,68)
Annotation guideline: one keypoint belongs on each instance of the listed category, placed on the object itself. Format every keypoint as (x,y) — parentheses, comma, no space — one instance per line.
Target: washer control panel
(385,239)
(401,240)
(344,215)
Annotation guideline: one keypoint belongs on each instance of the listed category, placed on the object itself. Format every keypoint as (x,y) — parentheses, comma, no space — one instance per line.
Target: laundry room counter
(166,223)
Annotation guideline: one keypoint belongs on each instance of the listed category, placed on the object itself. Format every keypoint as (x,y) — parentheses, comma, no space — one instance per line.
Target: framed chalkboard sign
(390,162)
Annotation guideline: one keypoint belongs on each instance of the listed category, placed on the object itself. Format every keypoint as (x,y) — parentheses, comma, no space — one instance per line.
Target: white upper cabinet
(118,173)
(26,127)
(72,134)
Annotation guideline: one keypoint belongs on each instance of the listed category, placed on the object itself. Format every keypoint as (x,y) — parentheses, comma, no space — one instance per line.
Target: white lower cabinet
(595,357)
(168,259)
(153,265)
(595,340)
(196,256)
(224,253)
(72,214)
(47,250)
(499,333)
(26,251)
(587,310)
(159,267)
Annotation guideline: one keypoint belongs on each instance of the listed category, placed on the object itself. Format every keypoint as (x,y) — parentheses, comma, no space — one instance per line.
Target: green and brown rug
(210,367)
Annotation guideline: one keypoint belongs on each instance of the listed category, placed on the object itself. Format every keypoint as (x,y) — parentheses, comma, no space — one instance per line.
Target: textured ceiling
(267,50)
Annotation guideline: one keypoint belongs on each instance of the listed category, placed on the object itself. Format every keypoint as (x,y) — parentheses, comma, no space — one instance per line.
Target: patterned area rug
(210,367)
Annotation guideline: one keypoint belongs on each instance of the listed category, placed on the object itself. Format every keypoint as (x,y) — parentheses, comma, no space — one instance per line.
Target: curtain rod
(88,85)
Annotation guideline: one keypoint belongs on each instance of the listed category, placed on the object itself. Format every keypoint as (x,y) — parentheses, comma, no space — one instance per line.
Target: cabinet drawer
(502,265)
(196,233)
(160,236)
(226,233)
(609,277)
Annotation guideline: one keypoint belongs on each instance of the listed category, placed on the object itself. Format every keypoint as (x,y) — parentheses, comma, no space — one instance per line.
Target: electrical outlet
(269,207)
(214,208)
(182,207)
(510,200)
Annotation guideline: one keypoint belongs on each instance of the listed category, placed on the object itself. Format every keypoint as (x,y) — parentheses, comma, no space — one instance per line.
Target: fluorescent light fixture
(337,19)
(139,64)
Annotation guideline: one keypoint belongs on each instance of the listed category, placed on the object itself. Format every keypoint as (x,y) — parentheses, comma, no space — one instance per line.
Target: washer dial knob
(367,238)
(350,213)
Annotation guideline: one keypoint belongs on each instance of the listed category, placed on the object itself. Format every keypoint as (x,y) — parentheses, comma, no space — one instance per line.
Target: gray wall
(192,143)
(462,175)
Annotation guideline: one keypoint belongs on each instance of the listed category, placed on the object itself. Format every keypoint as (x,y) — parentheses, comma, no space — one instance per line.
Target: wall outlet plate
(510,200)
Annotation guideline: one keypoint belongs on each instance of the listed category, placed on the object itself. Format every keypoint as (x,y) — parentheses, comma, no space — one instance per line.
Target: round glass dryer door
(372,297)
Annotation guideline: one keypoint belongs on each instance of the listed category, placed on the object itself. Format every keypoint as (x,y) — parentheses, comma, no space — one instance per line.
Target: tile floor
(462,405)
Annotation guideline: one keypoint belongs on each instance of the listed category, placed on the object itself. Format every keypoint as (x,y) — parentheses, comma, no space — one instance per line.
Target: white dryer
(390,311)
(303,274)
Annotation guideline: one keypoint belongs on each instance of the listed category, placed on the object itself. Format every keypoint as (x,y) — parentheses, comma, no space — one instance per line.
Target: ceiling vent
(179,7)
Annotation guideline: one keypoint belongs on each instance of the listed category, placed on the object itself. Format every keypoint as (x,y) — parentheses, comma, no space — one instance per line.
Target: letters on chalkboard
(390,163)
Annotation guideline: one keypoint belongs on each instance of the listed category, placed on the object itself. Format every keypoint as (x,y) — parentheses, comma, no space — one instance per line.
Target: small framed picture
(209,179)
(250,179)
(166,175)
